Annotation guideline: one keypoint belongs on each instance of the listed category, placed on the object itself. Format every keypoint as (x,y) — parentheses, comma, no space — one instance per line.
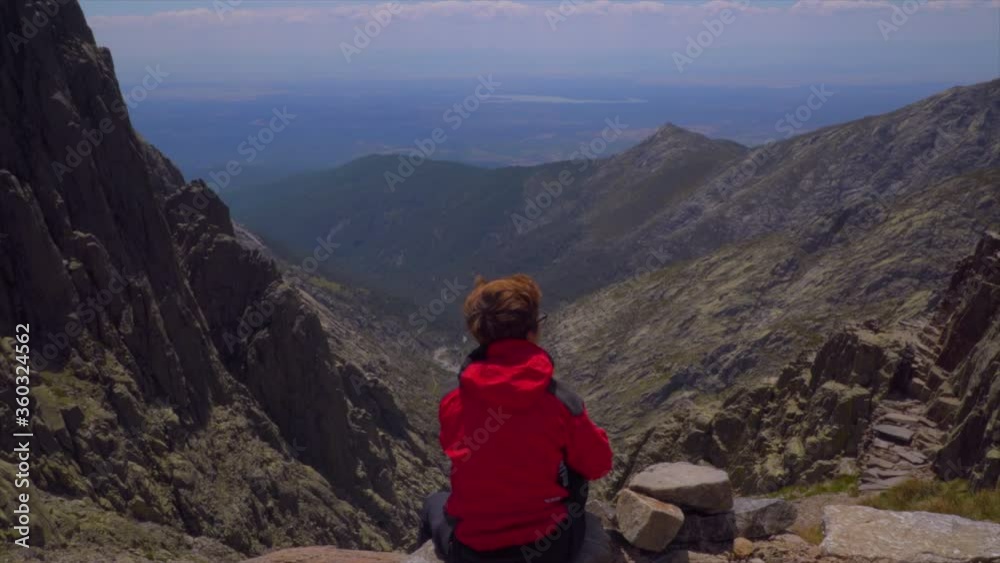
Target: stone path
(907,431)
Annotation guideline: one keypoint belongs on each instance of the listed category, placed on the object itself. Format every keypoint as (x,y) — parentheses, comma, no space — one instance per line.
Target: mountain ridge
(195,399)
(188,401)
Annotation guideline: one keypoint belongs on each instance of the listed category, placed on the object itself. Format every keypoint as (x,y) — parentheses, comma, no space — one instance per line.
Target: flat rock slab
(323,554)
(880,463)
(691,487)
(892,433)
(900,418)
(865,533)
(647,523)
(879,443)
(763,517)
(883,484)
(916,458)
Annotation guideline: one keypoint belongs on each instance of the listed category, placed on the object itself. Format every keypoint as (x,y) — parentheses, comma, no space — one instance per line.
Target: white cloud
(485,10)
(826,7)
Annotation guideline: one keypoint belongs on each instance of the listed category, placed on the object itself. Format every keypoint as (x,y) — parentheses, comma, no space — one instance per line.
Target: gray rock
(883,484)
(707,532)
(892,433)
(759,518)
(900,418)
(916,458)
(425,554)
(879,443)
(692,487)
(865,533)
(647,523)
(880,463)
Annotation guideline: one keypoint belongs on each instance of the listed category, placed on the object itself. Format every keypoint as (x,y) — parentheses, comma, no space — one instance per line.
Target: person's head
(503,308)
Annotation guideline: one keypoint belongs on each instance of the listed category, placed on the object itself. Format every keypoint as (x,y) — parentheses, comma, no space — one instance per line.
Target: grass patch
(326,284)
(843,484)
(812,534)
(952,497)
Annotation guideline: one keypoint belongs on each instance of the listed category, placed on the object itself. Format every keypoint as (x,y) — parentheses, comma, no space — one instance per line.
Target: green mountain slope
(449,220)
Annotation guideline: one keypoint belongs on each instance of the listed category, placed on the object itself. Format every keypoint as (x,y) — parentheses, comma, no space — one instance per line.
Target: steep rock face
(151,426)
(271,336)
(797,427)
(971,350)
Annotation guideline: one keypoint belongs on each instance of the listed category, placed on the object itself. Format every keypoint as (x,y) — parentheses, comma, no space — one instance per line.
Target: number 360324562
(22,355)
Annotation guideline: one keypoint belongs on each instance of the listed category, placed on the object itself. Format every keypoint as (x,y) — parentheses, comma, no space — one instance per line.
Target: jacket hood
(510,373)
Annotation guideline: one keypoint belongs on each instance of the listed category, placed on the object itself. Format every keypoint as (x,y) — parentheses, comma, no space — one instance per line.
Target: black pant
(561,547)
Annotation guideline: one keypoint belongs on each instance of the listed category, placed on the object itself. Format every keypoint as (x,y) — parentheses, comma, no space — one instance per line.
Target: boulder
(692,487)
(893,433)
(763,517)
(707,532)
(865,533)
(425,554)
(742,548)
(647,523)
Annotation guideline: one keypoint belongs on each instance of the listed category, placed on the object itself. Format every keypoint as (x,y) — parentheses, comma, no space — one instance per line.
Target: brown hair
(502,308)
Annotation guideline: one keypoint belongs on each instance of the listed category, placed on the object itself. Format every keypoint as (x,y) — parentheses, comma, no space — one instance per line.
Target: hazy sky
(742,42)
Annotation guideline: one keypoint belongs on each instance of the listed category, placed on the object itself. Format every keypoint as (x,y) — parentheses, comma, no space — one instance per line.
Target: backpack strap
(567,397)
(477,355)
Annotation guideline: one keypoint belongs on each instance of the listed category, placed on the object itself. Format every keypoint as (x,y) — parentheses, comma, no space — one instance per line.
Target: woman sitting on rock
(521,445)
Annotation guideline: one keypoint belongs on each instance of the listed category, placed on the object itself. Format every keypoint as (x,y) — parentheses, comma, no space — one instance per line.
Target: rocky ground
(709,526)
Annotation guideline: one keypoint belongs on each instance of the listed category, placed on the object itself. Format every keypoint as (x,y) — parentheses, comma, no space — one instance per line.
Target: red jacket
(507,428)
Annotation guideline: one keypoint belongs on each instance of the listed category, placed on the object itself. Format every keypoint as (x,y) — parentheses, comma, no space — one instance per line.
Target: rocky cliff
(888,403)
(762,262)
(186,397)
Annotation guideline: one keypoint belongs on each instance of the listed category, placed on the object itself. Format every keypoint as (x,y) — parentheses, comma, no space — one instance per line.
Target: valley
(262,367)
